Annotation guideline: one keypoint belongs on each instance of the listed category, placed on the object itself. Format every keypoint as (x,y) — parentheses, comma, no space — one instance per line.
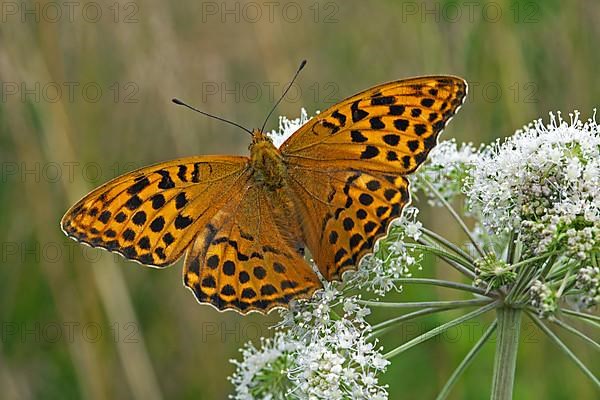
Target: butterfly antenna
(181,103)
(302,64)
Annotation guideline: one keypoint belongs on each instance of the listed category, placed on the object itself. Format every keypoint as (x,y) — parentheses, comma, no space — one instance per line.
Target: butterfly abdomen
(266,162)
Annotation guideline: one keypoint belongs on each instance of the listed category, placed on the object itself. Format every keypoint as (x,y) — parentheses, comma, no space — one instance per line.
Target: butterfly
(244,223)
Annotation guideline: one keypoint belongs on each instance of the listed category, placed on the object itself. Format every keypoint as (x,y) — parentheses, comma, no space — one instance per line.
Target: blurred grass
(547,60)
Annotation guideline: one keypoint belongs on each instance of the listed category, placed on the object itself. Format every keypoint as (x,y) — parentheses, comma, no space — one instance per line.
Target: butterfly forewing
(152,214)
(347,166)
(391,127)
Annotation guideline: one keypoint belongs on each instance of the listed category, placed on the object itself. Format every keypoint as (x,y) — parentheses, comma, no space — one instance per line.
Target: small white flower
(573,170)
(287,127)
(413,230)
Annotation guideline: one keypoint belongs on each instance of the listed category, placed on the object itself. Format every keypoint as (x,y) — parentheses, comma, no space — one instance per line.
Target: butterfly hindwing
(152,214)
(351,209)
(391,127)
(247,259)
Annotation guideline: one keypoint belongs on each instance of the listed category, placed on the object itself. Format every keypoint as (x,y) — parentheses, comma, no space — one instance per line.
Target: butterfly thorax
(266,161)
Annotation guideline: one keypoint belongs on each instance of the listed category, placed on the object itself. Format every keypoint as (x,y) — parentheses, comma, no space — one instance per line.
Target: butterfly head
(258,136)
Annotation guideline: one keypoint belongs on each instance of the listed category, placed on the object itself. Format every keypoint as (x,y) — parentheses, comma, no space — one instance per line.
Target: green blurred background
(86,89)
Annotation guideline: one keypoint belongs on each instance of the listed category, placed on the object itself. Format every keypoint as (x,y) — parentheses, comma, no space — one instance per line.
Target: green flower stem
(435,304)
(464,364)
(460,268)
(507,343)
(428,247)
(439,329)
(456,217)
(563,284)
(448,284)
(451,246)
(560,271)
(466,262)
(548,266)
(383,327)
(510,251)
(456,262)
(576,332)
(592,323)
(525,278)
(581,315)
(531,260)
(565,349)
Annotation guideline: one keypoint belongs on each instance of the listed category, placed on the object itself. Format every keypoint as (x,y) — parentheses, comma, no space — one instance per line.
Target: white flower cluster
(320,354)
(545,183)
(263,372)
(588,281)
(337,361)
(543,298)
(446,169)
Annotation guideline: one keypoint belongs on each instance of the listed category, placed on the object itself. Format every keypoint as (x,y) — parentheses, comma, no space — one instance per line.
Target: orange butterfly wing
(241,251)
(152,214)
(251,255)
(347,164)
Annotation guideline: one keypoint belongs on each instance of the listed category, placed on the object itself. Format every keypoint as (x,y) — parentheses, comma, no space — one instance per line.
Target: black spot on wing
(376,123)
(357,136)
(391,139)
(334,128)
(427,102)
(413,145)
(420,129)
(182,222)
(401,124)
(120,217)
(157,224)
(369,152)
(134,202)
(140,184)
(105,216)
(180,200)
(340,117)
(383,100)
(181,170)
(139,218)
(166,182)
(357,113)
(158,201)
(397,110)
(196,173)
